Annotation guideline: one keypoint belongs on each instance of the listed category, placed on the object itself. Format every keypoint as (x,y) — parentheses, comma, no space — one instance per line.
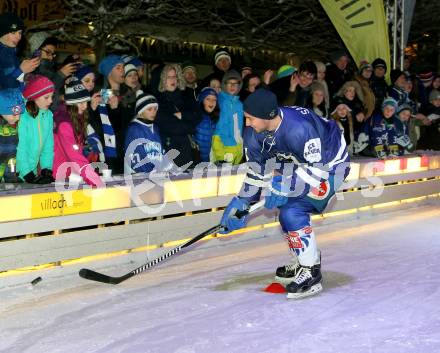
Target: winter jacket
(203,136)
(11,75)
(69,148)
(369,100)
(147,154)
(399,95)
(8,151)
(384,134)
(36,143)
(380,89)
(335,78)
(174,132)
(230,124)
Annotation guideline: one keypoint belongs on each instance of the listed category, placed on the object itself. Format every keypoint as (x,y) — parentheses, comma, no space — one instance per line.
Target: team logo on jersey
(320,193)
(308,230)
(294,240)
(312,150)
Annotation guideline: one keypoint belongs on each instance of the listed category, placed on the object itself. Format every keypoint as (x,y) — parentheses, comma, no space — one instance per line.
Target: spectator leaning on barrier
(385,129)
(227,143)
(35,150)
(11,106)
(143,146)
(405,142)
(11,70)
(70,132)
(207,100)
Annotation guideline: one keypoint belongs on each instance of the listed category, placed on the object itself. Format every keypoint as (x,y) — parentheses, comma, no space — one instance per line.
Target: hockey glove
(278,193)
(230,221)
(380,152)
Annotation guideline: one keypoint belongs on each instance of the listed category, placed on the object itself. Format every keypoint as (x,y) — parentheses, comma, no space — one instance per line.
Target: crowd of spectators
(56,113)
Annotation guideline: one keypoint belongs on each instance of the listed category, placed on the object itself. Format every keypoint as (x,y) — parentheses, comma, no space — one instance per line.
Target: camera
(106,94)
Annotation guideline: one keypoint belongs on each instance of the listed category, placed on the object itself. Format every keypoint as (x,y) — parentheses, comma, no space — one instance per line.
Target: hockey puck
(36,280)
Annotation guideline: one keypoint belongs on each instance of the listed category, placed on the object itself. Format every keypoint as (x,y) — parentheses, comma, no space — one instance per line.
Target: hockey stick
(100,277)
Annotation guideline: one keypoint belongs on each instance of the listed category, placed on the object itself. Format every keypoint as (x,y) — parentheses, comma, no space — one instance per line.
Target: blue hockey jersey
(143,149)
(305,148)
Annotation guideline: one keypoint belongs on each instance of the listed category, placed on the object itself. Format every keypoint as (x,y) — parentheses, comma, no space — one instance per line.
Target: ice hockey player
(296,160)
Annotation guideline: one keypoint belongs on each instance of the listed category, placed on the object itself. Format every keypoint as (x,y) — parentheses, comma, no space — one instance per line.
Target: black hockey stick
(100,277)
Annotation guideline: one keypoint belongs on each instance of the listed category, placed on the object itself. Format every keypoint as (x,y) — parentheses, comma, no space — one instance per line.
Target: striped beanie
(221,53)
(76,93)
(389,102)
(37,86)
(143,101)
(129,68)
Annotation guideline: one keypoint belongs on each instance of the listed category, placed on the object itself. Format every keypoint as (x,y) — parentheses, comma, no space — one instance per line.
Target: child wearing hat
(35,150)
(11,105)
(342,115)
(227,142)
(404,112)
(143,146)
(385,129)
(70,122)
(205,129)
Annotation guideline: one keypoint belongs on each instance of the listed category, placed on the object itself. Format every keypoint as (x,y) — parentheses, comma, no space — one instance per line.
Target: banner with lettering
(362,26)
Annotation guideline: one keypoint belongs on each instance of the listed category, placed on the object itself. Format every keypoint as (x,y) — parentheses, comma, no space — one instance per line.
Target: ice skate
(306,282)
(286,274)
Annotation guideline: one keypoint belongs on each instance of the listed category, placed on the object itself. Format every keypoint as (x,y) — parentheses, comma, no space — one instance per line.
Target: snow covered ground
(381,294)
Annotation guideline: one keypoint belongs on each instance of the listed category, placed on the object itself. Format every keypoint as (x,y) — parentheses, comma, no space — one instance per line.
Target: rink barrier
(41,227)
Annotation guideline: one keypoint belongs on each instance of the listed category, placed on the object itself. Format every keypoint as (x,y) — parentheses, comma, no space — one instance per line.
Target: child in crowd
(227,143)
(216,84)
(384,131)
(11,105)
(143,147)
(342,115)
(316,100)
(35,150)
(70,121)
(351,94)
(403,140)
(205,129)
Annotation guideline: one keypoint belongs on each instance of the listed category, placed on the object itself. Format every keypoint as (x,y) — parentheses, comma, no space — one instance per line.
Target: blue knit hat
(83,71)
(134,60)
(11,102)
(205,92)
(108,63)
(262,104)
(389,101)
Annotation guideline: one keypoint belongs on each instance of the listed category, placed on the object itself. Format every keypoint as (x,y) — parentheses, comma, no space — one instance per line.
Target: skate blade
(315,289)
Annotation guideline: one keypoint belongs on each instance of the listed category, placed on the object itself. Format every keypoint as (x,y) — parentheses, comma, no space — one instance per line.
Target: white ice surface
(381,294)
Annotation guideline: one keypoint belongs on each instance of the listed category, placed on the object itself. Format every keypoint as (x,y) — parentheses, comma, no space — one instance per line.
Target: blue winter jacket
(230,124)
(9,68)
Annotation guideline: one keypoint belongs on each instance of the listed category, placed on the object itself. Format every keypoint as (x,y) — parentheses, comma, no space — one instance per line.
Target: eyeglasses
(306,75)
(51,53)
(233,83)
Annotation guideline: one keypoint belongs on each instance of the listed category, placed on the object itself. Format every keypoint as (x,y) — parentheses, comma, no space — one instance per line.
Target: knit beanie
(108,63)
(130,59)
(205,92)
(129,68)
(364,64)
(286,70)
(143,101)
(187,65)
(11,102)
(221,53)
(403,107)
(37,86)
(10,23)
(262,104)
(76,93)
(36,40)
(389,102)
(337,101)
(379,62)
(82,72)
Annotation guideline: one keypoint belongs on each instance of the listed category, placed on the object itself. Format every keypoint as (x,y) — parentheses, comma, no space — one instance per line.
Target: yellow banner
(362,26)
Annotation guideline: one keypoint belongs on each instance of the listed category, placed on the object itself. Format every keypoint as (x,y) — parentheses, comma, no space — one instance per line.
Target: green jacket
(35,142)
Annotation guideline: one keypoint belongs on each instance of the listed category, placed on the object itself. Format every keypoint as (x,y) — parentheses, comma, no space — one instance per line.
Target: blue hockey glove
(278,193)
(230,221)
